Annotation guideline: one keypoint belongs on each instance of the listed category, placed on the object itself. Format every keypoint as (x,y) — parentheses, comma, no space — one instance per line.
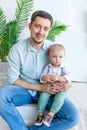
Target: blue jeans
(11,96)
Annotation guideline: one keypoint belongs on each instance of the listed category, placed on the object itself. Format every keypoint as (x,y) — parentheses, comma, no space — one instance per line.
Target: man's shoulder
(47,43)
(20,44)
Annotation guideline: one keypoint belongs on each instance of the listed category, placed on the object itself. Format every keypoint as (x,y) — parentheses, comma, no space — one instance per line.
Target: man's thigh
(17,95)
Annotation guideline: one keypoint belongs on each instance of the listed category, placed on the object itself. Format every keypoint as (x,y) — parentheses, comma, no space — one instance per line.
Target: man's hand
(55,87)
(48,87)
(62,86)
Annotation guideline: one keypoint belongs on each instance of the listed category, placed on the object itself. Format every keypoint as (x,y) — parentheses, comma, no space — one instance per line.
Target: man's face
(39,29)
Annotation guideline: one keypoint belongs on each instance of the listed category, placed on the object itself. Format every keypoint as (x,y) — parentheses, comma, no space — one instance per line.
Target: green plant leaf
(4,49)
(23,10)
(9,32)
(2,23)
(56,29)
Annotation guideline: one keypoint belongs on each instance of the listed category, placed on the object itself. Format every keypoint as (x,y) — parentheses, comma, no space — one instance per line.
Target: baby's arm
(65,75)
(59,78)
(47,78)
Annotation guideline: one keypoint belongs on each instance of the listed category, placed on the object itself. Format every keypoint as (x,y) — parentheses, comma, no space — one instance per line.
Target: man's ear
(29,26)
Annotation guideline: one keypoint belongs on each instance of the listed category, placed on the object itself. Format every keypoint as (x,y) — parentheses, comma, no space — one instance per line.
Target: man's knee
(3,95)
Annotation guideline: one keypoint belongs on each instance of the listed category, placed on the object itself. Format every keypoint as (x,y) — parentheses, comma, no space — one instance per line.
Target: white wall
(9,8)
(72,13)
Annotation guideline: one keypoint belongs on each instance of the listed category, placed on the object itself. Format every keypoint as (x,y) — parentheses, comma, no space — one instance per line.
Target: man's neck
(36,46)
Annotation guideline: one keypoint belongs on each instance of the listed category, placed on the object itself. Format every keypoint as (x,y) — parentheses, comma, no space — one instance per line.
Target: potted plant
(9,32)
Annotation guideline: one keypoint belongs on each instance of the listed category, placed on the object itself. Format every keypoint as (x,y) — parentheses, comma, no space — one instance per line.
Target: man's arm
(46,87)
(27,85)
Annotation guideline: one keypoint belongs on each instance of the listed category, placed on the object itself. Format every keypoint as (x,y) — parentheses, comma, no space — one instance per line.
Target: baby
(55,71)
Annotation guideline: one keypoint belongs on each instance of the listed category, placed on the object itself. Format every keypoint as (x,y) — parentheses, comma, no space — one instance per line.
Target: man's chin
(38,41)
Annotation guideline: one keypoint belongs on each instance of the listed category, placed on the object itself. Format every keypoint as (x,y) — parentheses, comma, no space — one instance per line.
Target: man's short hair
(42,14)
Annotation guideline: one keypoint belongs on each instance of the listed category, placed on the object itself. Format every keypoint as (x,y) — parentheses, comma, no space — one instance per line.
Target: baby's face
(56,57)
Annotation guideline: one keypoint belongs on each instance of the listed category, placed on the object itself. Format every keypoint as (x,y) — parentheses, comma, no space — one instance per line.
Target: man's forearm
(27,85)
(46,87)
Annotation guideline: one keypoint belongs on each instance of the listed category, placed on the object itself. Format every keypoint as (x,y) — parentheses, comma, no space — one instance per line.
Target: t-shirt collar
(30,48)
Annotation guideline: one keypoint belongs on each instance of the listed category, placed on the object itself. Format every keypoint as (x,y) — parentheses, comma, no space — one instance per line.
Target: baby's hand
(46,78)
(55,78)
(43,78)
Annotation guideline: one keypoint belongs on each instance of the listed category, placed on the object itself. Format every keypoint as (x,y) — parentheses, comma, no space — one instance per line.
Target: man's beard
(37,42)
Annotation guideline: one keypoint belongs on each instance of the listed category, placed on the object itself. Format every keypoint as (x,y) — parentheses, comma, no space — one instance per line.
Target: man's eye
(37,26)
(46,29)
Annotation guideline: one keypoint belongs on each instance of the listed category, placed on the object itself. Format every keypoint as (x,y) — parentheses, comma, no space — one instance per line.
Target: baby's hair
(55,47)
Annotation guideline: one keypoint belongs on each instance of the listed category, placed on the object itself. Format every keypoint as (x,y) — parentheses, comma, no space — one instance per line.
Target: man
(26,61)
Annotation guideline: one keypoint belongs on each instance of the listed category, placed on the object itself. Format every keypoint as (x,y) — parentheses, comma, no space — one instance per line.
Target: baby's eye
(61,56)
(54,56)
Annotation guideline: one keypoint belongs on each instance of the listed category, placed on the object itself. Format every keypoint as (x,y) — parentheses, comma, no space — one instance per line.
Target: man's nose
(41,30)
